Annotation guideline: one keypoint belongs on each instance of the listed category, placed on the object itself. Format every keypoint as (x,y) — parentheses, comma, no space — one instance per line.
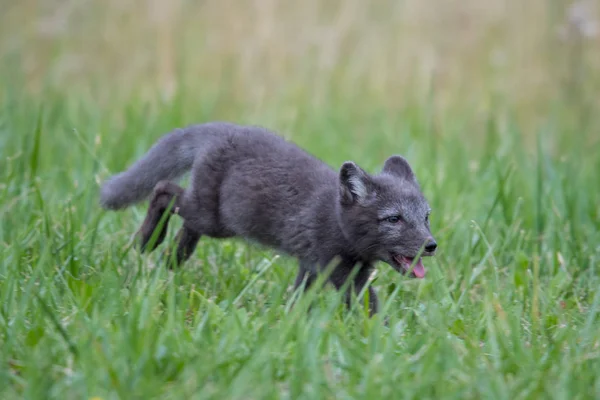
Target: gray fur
(248,182)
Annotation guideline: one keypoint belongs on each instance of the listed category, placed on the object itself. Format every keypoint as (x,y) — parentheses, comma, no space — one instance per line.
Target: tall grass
(492,103)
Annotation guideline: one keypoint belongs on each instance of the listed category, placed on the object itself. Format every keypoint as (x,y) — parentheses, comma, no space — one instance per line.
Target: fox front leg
(306,275)
(361,279)
(343,271)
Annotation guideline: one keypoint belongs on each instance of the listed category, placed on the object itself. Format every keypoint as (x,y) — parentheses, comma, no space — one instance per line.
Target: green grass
(509,309)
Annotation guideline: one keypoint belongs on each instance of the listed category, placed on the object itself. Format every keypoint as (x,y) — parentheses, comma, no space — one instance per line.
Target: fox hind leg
(187,240)
(166,197)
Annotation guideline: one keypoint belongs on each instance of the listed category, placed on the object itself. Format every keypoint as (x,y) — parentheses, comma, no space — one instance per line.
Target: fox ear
(355,184)
(398,166)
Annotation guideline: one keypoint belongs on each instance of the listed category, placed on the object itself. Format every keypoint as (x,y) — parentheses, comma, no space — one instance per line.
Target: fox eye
(394,219)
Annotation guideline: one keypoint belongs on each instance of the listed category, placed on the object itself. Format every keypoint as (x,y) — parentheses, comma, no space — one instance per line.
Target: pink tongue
(419,269)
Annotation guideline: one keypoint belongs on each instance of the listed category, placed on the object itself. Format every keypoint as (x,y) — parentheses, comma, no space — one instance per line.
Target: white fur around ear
(357,187)
(355,184)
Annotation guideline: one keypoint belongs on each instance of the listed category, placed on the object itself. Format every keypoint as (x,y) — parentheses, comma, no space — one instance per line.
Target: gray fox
(252,183)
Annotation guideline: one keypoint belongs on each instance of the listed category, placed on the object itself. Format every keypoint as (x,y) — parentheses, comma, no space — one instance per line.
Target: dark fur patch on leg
(164,194)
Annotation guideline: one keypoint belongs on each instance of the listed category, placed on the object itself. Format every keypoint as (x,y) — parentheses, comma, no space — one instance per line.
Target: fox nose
(431,246)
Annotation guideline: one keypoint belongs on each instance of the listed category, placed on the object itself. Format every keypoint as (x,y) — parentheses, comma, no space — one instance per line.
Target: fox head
(385,216)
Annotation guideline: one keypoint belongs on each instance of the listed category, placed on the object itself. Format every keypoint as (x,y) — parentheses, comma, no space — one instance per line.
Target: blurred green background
(470,56)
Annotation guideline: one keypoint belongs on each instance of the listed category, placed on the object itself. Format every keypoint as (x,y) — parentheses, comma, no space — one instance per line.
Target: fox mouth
(404,264)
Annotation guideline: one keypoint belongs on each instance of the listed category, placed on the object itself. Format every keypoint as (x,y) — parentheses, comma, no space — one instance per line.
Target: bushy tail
(171,157)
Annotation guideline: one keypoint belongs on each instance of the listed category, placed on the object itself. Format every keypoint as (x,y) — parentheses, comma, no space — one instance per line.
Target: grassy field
(495,104)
